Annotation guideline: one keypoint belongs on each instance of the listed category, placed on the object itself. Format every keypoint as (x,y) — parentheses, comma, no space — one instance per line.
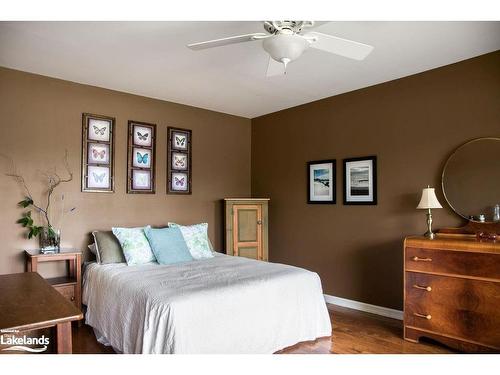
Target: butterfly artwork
(98,154)
(179,181)
(141,180)
(179,161)
(180,141)
(142,158)
(99,130)
(142,137)
(99,177)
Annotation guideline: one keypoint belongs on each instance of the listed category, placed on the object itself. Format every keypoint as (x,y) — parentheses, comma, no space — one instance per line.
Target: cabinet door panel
(247,230)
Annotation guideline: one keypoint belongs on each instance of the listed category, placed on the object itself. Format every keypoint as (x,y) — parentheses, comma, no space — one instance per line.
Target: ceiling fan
(285,42)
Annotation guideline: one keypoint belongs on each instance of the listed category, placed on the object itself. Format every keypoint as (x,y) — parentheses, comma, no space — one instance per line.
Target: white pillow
(196,237)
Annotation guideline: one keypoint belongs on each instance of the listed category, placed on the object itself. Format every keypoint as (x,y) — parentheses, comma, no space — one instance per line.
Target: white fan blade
(274,68)
(339,46)
(225,41)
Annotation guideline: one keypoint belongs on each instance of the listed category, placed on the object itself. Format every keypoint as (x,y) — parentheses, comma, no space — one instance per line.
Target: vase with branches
(49,237)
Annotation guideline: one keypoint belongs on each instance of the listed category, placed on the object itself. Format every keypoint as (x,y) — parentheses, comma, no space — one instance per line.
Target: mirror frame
(444,170)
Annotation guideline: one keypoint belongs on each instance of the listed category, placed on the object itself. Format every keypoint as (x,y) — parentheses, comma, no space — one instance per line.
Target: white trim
(366,307)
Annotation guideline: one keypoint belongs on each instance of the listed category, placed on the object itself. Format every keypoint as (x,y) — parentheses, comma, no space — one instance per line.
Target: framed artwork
(321,181)
(179,161)
(97,153)
(360,180)
(141,157)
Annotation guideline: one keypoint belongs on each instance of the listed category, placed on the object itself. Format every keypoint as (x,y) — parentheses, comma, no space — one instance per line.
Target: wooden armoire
(246,227)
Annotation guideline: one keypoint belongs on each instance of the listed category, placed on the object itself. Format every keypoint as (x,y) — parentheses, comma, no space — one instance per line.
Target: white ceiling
(151,59)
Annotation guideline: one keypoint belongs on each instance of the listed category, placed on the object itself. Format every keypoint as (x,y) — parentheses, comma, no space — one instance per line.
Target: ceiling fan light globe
(283,46)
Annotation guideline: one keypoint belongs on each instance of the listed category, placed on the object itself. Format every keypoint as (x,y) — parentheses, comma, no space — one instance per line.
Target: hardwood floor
(353,332)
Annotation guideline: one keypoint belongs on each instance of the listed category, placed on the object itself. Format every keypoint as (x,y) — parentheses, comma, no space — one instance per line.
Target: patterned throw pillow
(135,245)
(196,237)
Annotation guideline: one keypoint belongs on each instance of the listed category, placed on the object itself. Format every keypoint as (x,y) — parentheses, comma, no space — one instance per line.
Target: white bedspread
(220,305)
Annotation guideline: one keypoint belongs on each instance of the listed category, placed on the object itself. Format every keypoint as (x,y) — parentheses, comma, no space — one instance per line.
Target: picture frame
(97,163)
(322,181)
(179,151)
(141,157)
(360,180)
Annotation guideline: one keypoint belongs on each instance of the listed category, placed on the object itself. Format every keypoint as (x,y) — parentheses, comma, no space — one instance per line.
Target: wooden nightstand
(70,286)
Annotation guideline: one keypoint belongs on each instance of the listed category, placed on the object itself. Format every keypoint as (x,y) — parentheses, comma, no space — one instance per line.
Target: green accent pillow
(108,248)
(196,237)
(135,245)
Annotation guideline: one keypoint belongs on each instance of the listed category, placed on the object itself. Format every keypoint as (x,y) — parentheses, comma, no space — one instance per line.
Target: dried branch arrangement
(53,181)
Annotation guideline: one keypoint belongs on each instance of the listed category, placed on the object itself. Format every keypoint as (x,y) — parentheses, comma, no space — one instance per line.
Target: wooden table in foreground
(28,302)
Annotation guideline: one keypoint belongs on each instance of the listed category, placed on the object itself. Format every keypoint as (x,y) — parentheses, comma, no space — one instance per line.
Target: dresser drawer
(483,265)
(463,308)
(68,291)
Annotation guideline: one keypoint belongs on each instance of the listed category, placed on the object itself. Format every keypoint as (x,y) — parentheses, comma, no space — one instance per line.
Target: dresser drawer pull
(428,288)
(72,298)
(417,259)
(428,317)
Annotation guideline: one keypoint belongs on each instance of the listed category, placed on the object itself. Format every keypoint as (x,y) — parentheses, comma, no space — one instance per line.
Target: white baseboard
(366,307)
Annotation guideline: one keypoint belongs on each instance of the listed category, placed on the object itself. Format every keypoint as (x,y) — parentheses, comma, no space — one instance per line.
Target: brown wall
(40,117)
(412,125)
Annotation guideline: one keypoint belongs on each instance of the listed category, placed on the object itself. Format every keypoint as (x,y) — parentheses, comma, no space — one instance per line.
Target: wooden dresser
(452,292)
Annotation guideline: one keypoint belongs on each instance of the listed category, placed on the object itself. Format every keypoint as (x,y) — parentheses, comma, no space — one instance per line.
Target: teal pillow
(168,245)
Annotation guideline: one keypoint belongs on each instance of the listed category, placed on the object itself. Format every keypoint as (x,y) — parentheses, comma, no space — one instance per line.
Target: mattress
(222,304)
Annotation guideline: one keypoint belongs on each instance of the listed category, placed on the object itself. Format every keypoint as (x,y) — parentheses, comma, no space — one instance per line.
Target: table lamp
(428,202)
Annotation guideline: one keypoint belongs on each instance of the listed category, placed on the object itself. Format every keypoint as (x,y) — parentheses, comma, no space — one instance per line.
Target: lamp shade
(429,199)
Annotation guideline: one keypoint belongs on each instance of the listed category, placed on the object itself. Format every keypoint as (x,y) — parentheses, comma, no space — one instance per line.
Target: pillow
(168,245)
(108,249)
(135,245)
(196,238)
(93,250)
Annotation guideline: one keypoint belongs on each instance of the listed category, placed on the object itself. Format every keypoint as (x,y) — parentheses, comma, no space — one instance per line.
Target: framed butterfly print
(97,153)
(141,157)
(179,161)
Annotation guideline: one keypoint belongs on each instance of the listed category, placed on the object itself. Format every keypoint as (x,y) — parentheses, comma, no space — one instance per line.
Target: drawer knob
(428,288)
(424,316)
(417,259)
(72,298)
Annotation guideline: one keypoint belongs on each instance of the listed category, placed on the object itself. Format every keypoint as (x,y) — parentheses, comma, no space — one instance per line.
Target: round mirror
(471,180)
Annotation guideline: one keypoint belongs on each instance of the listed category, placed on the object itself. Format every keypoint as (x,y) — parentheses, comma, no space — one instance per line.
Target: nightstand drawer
(458,307)
(453,262)
(68,292)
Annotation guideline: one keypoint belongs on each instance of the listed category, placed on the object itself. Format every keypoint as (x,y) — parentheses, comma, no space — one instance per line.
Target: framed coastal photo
(321,181)
(360,180)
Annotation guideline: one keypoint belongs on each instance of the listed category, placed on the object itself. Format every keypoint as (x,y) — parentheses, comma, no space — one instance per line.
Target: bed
(223,304)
